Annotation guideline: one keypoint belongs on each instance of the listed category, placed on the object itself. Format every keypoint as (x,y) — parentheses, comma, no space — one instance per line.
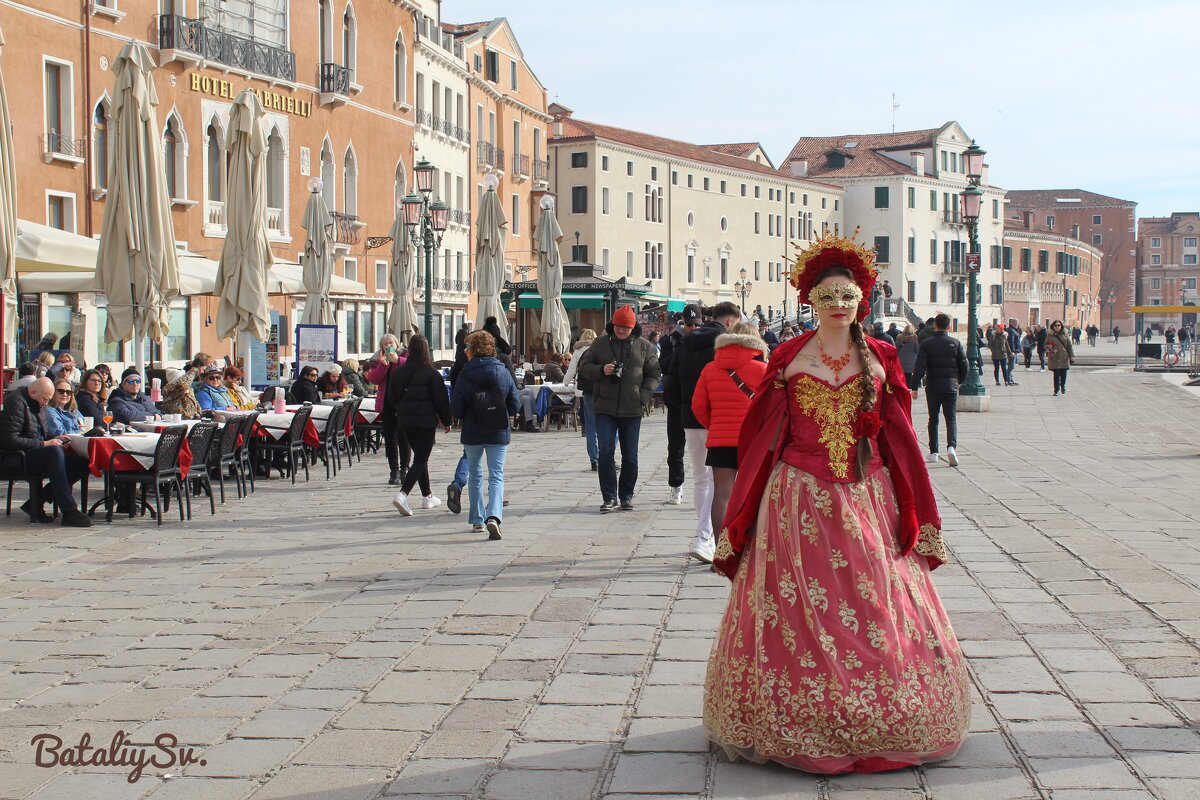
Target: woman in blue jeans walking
(485,399)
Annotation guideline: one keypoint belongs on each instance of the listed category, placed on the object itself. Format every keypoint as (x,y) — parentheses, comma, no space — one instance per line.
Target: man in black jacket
(942,362)
(688,361)
(21,429)
(676,441)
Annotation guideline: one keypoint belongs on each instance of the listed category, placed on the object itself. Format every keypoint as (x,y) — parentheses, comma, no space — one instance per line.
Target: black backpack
(491,413)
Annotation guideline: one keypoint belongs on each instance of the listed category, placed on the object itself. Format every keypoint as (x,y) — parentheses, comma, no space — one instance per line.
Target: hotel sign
(271,101)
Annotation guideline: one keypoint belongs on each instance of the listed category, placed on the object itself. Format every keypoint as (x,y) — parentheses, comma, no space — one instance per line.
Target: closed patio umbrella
(136,265)
(8,226)
(318,259)
(555,322)
(242,278)
(489,258)
(402,319)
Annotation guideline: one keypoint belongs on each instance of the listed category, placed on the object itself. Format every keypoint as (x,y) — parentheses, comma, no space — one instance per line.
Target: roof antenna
(895,105)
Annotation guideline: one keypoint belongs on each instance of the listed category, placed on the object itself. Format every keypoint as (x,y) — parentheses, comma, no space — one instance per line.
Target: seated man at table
(21,429)
(304,389)
(128,403)
(212,393)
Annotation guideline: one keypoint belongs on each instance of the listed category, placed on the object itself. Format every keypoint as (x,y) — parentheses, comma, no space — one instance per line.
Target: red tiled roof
(581,130)
(1048,199)
(740,149)
(861,152)
(466,28)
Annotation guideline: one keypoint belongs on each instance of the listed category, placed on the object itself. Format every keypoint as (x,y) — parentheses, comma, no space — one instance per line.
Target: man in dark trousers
(676,440)
(942,362)
(688,361)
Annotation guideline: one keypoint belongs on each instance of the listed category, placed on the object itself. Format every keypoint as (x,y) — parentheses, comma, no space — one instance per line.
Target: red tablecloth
(311,437)
(101,449)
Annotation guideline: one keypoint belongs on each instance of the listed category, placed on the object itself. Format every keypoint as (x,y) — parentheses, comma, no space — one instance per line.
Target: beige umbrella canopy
(8,223)
(556,325)
(402,319)
(318,259)
(246,256)
(489,258)
(136,266)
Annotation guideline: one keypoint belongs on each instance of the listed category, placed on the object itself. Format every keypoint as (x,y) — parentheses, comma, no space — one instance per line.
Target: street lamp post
(972,200)
(1112,305)
(743,287)
(426,223)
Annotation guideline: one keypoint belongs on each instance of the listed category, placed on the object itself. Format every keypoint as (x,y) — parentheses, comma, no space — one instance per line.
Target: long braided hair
(867,379)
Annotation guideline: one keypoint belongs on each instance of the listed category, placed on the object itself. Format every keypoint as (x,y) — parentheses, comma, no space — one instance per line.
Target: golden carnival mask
(841,294)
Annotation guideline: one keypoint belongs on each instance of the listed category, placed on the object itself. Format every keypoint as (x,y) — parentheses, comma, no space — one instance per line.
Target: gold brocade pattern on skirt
(834,653)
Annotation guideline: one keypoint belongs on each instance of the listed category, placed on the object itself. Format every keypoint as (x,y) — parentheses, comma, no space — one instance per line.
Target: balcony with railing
(214,218)
(459,216)
(347,228)
(490,156)
(952,216)
(61,147)
(451,285)
(335,84)
(184,39)
(541,171)
(954,268)
(275,222)
(520,167)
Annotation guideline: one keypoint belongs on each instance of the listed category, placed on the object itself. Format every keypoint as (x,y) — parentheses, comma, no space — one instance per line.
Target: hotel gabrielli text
(336,83)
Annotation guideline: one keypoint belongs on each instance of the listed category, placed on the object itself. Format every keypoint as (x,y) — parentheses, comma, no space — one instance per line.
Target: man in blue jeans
(624,372)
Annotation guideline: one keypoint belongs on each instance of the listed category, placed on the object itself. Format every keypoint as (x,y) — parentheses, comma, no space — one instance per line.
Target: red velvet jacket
(764,436)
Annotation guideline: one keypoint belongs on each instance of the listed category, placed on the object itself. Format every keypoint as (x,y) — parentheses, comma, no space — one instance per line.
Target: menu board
(315,345)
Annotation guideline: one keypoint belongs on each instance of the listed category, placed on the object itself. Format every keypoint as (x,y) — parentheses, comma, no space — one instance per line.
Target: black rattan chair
(244,460)
(164,472)
(333,439)
(201,439)
(222,454)
(290,444)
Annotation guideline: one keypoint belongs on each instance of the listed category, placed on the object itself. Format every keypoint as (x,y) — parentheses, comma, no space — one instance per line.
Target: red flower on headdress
(868,424)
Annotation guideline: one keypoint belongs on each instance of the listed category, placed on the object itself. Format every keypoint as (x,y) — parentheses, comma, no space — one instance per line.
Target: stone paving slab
(308,642)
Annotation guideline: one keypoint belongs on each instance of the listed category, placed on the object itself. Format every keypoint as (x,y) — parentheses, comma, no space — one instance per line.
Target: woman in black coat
(417,394)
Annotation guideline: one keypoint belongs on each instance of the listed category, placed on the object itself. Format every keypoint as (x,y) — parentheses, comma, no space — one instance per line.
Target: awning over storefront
(41,248)
(197,276)
(570,300)
(672,303)
(287,278)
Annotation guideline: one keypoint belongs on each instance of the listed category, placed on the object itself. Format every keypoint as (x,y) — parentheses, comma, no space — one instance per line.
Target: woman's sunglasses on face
(63,391)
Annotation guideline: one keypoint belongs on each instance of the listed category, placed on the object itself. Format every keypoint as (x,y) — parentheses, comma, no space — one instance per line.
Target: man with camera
(624,372)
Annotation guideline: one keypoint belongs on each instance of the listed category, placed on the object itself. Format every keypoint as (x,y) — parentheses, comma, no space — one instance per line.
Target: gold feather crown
(831,251)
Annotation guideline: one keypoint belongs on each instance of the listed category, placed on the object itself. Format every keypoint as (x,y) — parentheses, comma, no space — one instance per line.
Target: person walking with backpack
(721,402)
(942,362)
(624,372)
(418,394)
(485,399)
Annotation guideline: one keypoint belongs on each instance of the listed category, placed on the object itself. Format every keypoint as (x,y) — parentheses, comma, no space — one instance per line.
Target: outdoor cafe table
(134,452)
(365,416)
(275,426)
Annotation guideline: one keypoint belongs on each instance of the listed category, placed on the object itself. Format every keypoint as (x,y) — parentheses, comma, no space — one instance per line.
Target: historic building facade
(902,192)
(1047,275)
(1106,223)
(685,218)
(335,79)
(1167,258)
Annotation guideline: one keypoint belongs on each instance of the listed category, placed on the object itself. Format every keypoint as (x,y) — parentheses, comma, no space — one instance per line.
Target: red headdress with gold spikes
(835,251)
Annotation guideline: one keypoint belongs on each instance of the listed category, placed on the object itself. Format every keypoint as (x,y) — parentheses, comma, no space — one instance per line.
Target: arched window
(325,31)
(350,182)
(175,157)
(349,39)
(400,186)
(328,176)
(400,71)
(276,170)
(213,163)
(100,145)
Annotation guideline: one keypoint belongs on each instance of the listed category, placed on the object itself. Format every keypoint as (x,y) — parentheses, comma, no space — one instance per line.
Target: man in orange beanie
(624,372)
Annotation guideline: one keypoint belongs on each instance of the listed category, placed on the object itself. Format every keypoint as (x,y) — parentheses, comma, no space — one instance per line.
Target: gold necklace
(836,365)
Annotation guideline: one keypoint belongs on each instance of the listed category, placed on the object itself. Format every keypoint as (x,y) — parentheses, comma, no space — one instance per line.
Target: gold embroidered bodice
(821,420)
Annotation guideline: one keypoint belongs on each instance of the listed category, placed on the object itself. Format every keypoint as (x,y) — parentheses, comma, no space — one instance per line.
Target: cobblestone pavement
(309,643)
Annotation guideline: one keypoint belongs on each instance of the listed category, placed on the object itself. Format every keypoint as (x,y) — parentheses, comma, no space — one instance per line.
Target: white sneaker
(951,457)
(702,551)
(400,501)
(931,458)
(430,502)
(676,496)
(1043,369)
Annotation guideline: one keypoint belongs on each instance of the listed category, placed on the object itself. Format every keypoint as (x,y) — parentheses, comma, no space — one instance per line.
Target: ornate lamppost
(426,223)
(743,287)
(972,202)
(1112,304)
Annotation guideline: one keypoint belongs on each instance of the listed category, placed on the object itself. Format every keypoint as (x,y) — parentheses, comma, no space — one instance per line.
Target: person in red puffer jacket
(721,402)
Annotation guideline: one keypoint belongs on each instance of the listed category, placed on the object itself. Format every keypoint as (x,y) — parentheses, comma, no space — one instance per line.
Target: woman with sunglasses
(1060,355)
(92,398)
(62,416)
(128,403)
(211,394)
(305,389)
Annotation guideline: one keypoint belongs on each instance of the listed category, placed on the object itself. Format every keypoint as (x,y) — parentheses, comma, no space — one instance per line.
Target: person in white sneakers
(418,393)
(942,362)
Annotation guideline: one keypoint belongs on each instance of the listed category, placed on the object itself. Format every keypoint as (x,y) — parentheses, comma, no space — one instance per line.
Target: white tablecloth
(140,446)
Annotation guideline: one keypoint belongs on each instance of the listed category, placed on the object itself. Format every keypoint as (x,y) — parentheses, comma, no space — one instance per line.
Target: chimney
(918,163)
(799,167)
(558,128)
(1027,216)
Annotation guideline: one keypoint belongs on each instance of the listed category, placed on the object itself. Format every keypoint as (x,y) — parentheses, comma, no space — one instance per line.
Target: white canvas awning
(197,276)
(41,248)
(287,278)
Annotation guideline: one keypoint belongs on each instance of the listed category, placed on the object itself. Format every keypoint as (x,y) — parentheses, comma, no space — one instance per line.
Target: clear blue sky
(1062,94)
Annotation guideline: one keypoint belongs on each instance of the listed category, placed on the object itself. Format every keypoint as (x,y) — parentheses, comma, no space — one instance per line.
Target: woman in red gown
(834,654)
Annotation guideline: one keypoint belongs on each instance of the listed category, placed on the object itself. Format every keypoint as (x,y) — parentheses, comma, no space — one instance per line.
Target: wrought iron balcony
(335,79)
(490,155)
(541,170)
(956,268)
(55,144)
(424,117)
(520,166)
(952,216)
(211,44)
(460,217)
(346,228)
